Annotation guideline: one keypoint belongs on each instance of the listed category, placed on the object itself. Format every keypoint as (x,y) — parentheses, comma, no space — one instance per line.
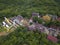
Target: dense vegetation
(21,36)
(26,7)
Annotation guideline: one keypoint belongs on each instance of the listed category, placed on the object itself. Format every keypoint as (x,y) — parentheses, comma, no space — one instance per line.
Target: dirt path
(4,33)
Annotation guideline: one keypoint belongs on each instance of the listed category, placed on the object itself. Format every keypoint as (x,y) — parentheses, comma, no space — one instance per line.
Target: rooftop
(51,38)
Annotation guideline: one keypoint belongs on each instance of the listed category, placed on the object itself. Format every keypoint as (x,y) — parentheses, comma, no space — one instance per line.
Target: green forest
(26,7)
(21,36)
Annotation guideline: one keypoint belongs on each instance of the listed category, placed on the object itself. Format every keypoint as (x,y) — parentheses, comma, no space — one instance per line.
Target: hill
(21,36)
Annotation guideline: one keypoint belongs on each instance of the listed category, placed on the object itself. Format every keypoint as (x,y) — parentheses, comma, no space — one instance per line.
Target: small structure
(58,19)
(12,22)
(54,17)
(32,27)
(3,23)
(35,14)
(52,38)
(53,32)
(17,20)
(46,31)
(58,30)
(53,26)
(40,27)
(24,22)
(46,18)
(6,22)
(31,20)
